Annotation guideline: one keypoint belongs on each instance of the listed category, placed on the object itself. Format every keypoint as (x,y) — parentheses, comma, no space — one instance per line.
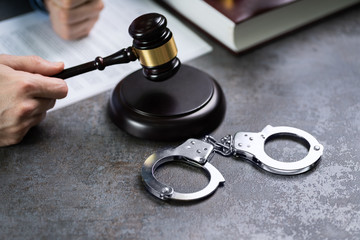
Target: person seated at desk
(26,93)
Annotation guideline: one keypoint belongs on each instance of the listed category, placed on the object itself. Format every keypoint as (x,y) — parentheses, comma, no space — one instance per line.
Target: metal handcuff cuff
(248,145)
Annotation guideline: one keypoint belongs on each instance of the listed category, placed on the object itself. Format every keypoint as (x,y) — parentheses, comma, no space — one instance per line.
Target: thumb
(32,64)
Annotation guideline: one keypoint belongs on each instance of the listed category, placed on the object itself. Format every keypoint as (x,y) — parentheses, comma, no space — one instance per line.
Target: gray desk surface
(77,176)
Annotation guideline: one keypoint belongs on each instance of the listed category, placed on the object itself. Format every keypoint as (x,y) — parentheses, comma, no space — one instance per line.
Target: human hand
(25,95)
(73,19)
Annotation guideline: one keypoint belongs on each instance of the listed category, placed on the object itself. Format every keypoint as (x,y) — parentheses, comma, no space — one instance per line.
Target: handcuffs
(247,145)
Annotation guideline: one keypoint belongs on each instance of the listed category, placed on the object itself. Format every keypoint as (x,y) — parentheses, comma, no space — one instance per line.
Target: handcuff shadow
(278,175)
(188,167)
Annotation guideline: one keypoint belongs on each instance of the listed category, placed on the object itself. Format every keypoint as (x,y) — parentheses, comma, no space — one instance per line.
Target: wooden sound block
(189,104)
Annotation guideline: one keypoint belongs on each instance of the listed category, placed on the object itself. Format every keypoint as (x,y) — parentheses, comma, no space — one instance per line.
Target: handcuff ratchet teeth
(247,145)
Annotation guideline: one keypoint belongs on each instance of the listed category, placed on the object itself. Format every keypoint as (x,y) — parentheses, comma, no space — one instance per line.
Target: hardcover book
(244,24)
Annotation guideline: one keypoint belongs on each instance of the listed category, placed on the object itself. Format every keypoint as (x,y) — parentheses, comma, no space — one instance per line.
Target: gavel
(189,103)
(153,45)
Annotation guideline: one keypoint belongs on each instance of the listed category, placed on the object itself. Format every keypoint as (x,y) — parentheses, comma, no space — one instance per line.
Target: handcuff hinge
(224,147)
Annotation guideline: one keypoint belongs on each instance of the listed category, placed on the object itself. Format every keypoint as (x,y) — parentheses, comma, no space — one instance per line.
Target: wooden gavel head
(157,109)
(154,46)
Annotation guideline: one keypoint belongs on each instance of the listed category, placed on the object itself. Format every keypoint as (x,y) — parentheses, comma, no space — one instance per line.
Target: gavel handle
(123,56)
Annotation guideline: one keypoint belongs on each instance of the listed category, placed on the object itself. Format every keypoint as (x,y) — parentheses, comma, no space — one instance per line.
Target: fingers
(32,64)
(25,97)
(73,19)
(19,86)
(81,29)
(24,83)
(13,134)
(33,107)
(44,87)
(69,3)
(73,31)
(19,108)
(88,10)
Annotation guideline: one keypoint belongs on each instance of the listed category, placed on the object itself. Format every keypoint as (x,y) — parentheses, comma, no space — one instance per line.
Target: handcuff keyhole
(286,147)
(182,177)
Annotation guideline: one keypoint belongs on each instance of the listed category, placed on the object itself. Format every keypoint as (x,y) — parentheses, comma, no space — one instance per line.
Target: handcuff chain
(224,147)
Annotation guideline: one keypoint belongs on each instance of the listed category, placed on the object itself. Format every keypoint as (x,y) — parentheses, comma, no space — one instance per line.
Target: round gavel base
(189,104)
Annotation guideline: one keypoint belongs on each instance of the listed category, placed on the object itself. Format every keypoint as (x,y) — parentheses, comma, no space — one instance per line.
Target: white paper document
(31,34)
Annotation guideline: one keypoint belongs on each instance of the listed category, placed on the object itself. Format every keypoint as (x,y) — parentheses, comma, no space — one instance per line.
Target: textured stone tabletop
(77,176)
